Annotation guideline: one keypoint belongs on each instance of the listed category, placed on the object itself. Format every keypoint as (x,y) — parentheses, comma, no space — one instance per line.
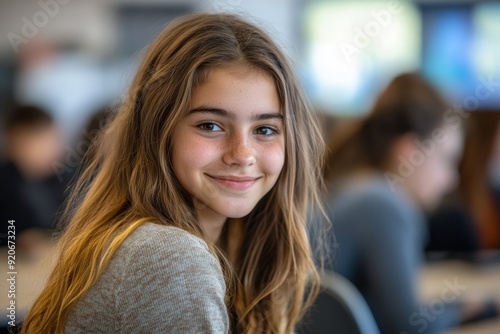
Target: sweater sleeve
(161,280)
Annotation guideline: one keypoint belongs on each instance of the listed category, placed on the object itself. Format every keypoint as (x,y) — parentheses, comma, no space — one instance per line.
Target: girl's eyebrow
(227,114)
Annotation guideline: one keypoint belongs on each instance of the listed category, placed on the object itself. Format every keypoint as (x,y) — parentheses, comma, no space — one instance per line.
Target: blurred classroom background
(74,57)
(73,61)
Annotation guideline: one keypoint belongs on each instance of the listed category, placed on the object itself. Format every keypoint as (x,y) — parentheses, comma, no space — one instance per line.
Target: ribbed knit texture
(161,280)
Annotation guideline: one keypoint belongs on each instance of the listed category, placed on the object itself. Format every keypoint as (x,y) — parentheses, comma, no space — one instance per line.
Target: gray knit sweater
(161,280)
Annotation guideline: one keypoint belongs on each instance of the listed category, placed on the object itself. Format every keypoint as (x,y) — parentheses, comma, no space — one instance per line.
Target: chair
(339,309)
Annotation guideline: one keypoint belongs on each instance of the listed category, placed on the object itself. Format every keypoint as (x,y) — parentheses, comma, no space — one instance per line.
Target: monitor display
(461,52)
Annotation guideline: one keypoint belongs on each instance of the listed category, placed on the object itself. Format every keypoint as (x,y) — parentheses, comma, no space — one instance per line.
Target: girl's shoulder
(159,234)
(161,279)
(154,244)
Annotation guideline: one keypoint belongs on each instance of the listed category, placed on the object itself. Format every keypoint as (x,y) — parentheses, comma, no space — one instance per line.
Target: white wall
(277,17)
(93,22)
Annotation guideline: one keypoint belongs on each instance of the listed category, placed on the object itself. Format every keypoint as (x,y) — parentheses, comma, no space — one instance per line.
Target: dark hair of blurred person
(406,117)
(31,193)
(384,171)
(470,219)
(92,135)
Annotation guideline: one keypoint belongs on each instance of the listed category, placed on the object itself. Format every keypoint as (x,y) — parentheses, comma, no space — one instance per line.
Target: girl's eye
(266,131)
(210,127)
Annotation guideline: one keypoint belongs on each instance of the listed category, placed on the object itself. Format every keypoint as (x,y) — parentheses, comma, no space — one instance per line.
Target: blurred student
(398,161)
(31,192)
(469,221)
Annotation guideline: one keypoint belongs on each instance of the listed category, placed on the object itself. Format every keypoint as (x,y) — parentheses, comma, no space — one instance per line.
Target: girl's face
(229,149)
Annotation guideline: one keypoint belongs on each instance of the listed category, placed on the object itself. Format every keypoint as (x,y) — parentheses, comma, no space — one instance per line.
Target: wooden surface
(475,280)
(31,277)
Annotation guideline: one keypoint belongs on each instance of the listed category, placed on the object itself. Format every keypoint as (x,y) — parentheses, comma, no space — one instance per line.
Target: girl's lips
(235,182)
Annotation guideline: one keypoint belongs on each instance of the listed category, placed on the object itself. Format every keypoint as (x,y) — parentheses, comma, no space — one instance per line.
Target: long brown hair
(409,104)
(474,188)
(131,181)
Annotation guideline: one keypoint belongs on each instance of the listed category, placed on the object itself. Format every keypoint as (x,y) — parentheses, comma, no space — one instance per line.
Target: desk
(30,279)
(482,280)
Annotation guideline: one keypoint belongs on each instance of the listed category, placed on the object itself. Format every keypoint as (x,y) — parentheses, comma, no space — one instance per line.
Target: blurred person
(383,172)
(31,193)
(469,221)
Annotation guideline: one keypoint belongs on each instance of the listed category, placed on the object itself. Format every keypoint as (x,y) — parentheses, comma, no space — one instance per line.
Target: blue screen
(460,52)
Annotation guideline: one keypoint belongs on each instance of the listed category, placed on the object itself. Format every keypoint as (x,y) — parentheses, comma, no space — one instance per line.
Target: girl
(193,215)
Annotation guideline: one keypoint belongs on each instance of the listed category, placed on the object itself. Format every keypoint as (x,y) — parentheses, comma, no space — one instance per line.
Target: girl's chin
(235,213)
(239,214)
(226,211)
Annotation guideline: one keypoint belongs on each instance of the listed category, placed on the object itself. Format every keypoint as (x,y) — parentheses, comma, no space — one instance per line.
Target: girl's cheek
(273,156)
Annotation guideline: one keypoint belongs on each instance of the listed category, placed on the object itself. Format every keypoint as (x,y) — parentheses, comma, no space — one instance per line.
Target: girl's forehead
(232,89)
(236,68)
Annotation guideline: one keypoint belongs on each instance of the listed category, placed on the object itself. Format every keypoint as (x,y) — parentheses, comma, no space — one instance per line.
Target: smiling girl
(192,217)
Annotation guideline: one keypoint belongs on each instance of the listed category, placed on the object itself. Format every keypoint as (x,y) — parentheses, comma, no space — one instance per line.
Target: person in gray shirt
(191,215)
(378,245)
(384,172)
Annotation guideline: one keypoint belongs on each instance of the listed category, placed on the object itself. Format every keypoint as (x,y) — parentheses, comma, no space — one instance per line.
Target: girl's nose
(239,151)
